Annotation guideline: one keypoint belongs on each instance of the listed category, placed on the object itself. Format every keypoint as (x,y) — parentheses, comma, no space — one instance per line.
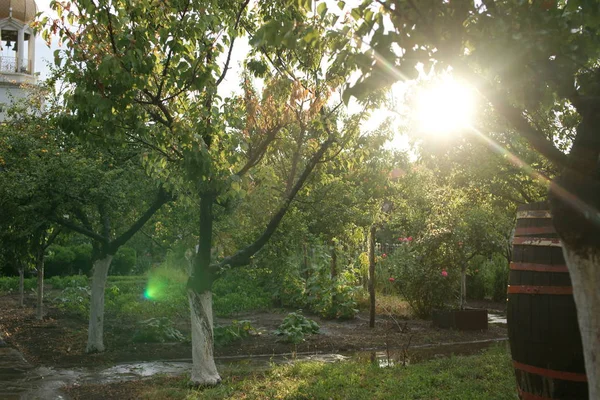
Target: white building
(17,50)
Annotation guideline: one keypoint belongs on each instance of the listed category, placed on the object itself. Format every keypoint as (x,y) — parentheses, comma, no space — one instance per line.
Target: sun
(444,106)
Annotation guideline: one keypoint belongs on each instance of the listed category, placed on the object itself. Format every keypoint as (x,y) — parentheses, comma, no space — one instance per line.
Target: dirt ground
(59,339)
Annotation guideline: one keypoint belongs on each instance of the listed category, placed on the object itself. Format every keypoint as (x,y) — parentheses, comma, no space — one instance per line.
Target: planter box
(464,320)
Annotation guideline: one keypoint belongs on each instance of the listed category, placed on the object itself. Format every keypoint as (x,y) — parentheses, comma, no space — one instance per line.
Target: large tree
(532,61)
(148,72)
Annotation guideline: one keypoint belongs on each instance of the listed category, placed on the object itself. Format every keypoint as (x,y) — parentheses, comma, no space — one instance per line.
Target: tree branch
(237,22)
(162,197)
(79,229)
(243,256)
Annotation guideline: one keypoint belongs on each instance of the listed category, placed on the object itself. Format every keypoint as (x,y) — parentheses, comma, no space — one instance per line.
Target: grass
(485,376)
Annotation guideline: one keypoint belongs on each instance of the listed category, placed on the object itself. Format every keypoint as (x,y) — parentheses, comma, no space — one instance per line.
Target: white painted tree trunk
(96,324)
(40,289)
(21,286)
(463,288)
(204,370)
(584,270)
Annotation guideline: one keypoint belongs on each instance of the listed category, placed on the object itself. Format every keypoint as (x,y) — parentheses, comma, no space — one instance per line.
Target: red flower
(391,279)
(444,273)
(409,238)
(384,255)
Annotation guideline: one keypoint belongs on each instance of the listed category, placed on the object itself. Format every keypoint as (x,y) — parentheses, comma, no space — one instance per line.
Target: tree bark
(95,343)
(463,287)
(40,285)
(204,370)
(21,285)
(333,264)
(585,277)
(372,277)
(575,205)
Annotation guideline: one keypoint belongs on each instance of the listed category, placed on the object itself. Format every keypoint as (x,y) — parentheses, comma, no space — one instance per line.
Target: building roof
(22,10)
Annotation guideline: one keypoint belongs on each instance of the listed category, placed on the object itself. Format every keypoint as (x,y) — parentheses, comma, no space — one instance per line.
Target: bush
(295,326)
(332,298)
(237,330)
(59,261)
(476,284)
(10,284)
(123,262)
(239,290)
(68,260)
(59,282)
(420,281)
(74,300)
(499,280)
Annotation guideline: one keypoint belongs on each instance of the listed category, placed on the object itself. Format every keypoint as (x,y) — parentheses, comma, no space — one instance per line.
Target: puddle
(19,381)
(496,318)
(417,354)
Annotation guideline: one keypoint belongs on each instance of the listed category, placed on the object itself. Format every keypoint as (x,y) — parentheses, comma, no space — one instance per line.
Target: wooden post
(21,284)
(333,263)
(372,277)
(40,285)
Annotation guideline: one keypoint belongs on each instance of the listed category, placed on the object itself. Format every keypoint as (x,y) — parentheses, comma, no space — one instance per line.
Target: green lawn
(485,376)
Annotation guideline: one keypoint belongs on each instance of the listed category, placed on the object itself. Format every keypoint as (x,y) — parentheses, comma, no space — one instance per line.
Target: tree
(148,73)
(527,59)
(26,231)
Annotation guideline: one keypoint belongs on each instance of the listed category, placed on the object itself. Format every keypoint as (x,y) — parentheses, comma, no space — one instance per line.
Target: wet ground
(20,381)
(41,357)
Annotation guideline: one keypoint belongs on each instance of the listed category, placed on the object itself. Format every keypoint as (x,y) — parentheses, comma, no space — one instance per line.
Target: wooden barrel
(542,320)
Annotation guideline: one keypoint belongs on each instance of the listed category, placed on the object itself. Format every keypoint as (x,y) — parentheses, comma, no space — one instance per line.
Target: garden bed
(59,340)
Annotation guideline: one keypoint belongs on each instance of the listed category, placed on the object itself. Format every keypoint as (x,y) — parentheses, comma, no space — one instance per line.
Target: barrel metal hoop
(527,289)
(519,266)
(537,241)
(551,373)
(530,396)
(537,214)
(534,230)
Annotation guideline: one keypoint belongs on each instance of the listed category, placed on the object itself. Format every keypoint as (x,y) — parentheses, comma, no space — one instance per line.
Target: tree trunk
(95,342)
(575,205)
(463,287)
(40,286)
(21,285)
(584,270)
(372,277)
(333,264)
(204,370)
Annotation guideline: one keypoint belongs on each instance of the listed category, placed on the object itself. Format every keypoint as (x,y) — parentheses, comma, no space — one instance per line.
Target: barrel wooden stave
(543,329)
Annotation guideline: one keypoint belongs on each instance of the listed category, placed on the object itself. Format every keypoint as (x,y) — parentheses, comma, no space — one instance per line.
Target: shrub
(237,330)
(123,261)
(74,300)
(476,284)
(420,281)
(59,261)
(240,290)
(59,282)
(332,298)
(499,280)
(68,260)
(11,283)
(295,326)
